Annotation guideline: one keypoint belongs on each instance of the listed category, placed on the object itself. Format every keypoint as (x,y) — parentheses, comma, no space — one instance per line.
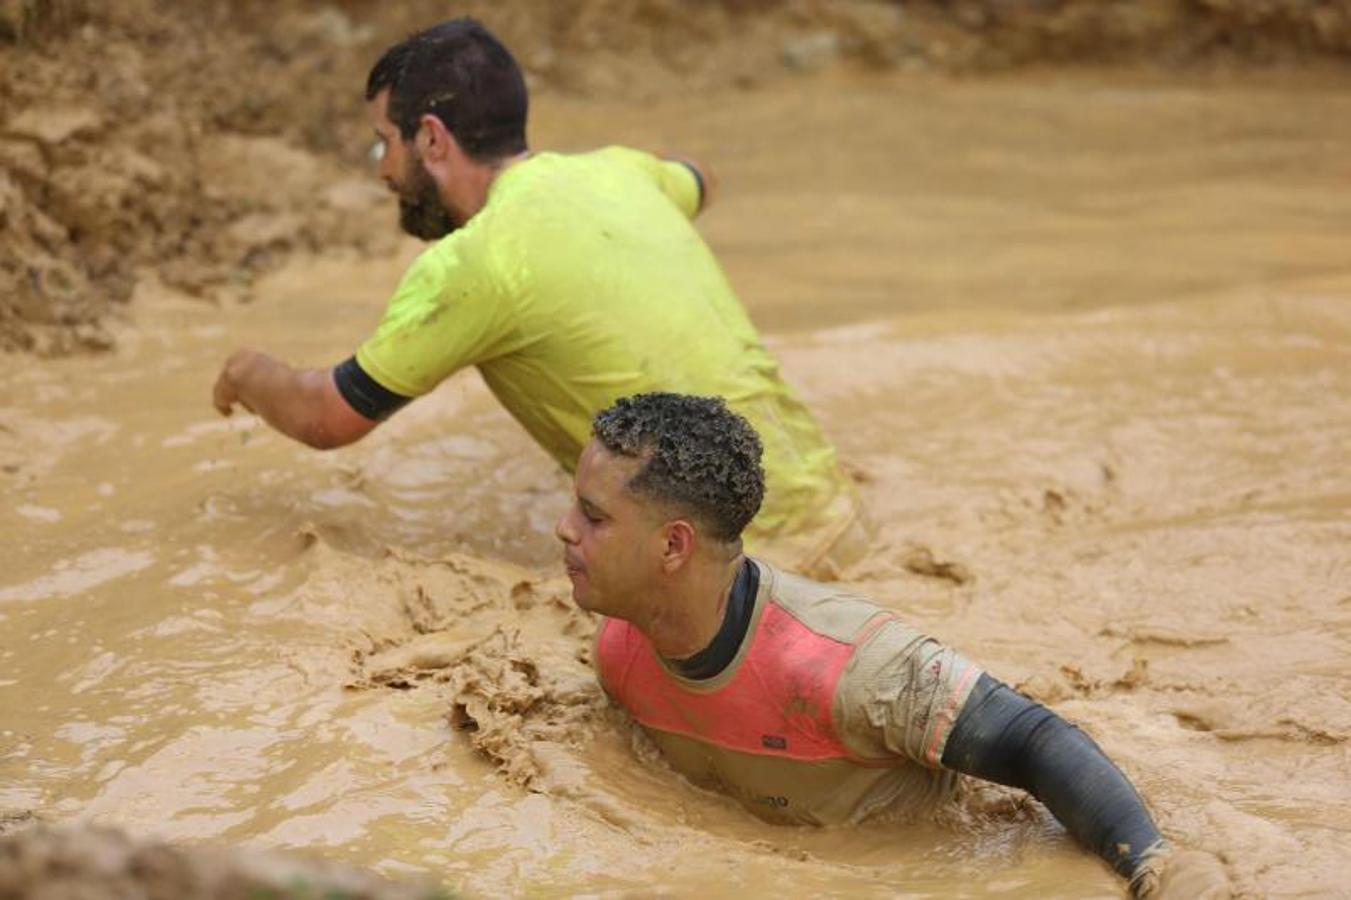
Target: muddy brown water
(1087,338)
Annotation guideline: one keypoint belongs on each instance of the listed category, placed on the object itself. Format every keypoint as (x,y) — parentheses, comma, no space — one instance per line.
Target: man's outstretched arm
(1004,737)
(304,404)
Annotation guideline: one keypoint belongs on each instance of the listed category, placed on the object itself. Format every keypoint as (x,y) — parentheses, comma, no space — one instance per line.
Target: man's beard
(420,211)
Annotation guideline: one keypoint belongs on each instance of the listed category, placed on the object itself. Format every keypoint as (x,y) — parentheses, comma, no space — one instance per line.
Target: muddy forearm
(288,399)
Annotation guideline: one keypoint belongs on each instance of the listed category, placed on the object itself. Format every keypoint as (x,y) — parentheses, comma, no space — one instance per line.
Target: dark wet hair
(697,453)
(460,73)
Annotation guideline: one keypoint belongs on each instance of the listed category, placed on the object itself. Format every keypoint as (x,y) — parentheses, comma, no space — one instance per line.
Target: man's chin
(582,600)
(415,221)
(581,596)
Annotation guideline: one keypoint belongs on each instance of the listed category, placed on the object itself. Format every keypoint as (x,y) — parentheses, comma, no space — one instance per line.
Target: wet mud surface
(1084,342)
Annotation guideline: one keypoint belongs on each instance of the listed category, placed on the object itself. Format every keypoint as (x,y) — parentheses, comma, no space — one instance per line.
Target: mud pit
(1086,342)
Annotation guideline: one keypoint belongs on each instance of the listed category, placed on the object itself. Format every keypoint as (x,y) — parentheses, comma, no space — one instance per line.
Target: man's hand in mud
(303,404)
(1184,875)
(225,394)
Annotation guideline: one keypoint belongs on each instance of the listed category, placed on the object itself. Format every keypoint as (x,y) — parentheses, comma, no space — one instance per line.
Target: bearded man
(569,280)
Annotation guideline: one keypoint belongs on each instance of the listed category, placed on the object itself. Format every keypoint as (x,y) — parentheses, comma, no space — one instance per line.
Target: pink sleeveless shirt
(831,710)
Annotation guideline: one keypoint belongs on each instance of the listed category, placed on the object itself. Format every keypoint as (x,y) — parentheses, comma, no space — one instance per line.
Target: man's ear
(434,140)
(679,547)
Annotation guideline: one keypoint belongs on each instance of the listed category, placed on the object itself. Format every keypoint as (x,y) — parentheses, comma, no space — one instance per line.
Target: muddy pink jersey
(831,711)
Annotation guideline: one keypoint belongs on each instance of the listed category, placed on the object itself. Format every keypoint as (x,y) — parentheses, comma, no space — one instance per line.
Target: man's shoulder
(545,189)
(826,609)
(548,169)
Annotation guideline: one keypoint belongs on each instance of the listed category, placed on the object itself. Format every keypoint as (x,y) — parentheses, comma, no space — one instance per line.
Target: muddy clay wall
(200,144)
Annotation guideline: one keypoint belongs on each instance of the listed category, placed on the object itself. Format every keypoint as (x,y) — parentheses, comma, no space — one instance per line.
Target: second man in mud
(568,280)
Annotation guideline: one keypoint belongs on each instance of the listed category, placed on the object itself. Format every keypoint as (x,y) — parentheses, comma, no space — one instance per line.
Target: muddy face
(1097,358)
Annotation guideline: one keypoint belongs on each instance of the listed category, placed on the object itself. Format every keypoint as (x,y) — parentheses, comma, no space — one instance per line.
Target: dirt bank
(140,142)
(199,146)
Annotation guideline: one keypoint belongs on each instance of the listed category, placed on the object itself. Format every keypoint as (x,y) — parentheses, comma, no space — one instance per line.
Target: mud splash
(512,654)
(1091,370)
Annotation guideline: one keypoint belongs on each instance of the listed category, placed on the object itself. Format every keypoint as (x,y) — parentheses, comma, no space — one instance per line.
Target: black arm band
(363,393)
(698,179)
(1004,737)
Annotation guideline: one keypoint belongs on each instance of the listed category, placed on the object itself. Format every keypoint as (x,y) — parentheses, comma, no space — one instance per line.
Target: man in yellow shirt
(569,280)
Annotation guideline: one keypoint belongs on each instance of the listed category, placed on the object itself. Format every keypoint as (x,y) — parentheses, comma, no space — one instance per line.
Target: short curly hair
(697,454)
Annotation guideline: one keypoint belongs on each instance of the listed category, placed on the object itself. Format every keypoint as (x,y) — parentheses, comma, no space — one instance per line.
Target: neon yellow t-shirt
(582,280)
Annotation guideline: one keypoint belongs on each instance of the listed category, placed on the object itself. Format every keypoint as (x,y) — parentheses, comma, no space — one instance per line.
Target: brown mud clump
(96,863)
(509,653)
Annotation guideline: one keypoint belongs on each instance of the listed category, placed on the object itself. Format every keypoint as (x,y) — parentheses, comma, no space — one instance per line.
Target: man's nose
(563,530)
